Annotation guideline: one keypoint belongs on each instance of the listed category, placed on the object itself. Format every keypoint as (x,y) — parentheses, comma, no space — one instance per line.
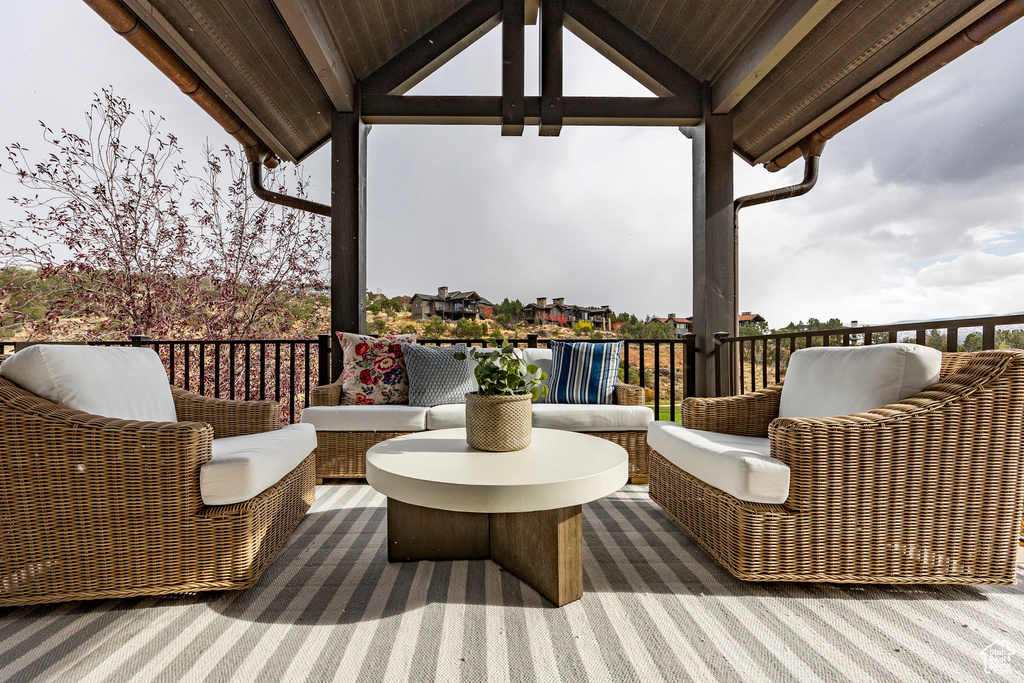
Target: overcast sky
(918,213)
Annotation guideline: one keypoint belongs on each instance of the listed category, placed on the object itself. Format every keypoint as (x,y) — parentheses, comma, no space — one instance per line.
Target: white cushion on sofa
(542,359)
(242,467)
(113,381)
(738,465)
(843,380)
(376,418)
(591,418)
(448,416)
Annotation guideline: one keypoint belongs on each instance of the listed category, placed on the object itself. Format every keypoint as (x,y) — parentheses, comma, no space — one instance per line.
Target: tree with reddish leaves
(117,238)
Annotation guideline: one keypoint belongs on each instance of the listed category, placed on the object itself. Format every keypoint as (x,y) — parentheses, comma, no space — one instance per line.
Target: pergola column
(714,248)
(348,228)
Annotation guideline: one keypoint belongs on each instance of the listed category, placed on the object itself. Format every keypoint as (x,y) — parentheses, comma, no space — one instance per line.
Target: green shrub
(436,328)
(408,328)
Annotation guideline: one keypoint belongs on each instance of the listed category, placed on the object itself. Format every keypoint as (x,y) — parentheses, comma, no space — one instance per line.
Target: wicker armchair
(927,490)
(93,507)
(342,455)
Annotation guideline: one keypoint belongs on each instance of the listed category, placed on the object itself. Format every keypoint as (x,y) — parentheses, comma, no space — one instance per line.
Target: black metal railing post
(720,338)
(139,340)
(690,341)
(323,352)
(531,341)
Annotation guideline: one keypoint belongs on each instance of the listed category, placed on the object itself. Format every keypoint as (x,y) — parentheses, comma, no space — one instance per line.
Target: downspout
(256,182)
(812,155)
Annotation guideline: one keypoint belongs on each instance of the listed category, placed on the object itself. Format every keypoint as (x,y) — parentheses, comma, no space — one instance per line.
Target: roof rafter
(433,50)
(773,41)
(306,23)
(627,50)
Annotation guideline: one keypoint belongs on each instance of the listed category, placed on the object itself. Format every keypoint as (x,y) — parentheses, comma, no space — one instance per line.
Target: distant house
(560,313)
(450,305)
(680,325)
(685,325)
(748,318)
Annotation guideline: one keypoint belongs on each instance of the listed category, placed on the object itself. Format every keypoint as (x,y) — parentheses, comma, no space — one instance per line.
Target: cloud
(972,269)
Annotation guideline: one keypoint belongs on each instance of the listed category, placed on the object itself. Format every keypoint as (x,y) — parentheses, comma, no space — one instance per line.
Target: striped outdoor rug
(655,608)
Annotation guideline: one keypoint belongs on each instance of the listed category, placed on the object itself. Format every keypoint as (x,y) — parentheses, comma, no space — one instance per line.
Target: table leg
(419,533)
(543,549)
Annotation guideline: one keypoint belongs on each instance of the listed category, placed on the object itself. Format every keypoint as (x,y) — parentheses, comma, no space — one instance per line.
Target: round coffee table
(523,509)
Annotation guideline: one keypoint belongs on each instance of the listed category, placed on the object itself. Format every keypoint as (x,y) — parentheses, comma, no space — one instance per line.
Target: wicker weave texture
(93,507)
(499,423)
(928,490)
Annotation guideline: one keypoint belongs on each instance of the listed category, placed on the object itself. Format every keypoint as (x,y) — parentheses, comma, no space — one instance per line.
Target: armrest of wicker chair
(744,415)
(112,469)
(960,436)
(326,395)
(629,395)
(228,418)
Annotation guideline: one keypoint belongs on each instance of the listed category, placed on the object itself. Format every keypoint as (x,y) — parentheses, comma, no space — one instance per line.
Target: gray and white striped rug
(655,608)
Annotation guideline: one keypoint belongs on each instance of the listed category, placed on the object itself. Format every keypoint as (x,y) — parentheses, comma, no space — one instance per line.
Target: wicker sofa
(341,449)
(925,490)
(96,507)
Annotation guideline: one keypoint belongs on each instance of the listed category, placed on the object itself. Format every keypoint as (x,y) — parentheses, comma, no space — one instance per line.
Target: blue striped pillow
(584,372)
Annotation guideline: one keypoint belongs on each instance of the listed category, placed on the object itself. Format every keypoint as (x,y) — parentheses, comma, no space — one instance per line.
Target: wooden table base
(543,549)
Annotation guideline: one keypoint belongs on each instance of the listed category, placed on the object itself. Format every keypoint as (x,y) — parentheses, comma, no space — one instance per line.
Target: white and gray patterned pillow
(436,377)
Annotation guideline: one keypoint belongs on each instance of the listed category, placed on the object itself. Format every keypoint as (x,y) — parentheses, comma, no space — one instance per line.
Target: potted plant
(499,416)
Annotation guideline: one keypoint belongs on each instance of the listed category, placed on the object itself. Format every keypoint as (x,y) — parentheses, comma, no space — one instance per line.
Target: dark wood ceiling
(281,64)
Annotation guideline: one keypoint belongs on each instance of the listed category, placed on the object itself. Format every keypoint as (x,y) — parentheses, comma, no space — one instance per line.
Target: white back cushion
(113,381)
(542,359)
(838,380)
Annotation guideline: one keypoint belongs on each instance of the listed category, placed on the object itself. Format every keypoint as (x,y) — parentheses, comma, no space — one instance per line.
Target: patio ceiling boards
(783,68)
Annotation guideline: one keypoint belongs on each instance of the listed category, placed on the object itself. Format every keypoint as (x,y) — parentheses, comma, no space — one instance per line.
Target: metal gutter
(972,36)
(128,25)
(256,182)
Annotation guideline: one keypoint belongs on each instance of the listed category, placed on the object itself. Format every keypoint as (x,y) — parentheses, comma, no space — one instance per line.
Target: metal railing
(748,363)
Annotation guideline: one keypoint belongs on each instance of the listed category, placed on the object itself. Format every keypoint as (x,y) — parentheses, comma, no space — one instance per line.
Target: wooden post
(513,51)
(714,250)
(348,228)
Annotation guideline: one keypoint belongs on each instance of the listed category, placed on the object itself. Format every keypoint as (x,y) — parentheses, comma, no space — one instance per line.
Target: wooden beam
(513,66)
(631,111)
(714,247)
(308,27)
(774,39)
(552,14)
(627,50)
(348,227)
(487,110)
(434,49)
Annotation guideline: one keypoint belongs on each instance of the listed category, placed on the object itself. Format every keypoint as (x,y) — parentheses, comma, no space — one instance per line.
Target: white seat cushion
(242,467)
(590,417)
(843,380)
(738,465)
(377,418)
(113,381)
(447,416)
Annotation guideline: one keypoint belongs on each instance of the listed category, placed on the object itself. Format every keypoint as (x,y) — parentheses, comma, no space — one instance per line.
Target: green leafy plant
(501,372)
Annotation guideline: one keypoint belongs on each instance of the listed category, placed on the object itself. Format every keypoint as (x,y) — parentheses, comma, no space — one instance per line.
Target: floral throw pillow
(373,369)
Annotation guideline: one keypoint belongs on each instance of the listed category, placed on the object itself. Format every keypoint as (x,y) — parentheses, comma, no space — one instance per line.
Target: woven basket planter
(498,423)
